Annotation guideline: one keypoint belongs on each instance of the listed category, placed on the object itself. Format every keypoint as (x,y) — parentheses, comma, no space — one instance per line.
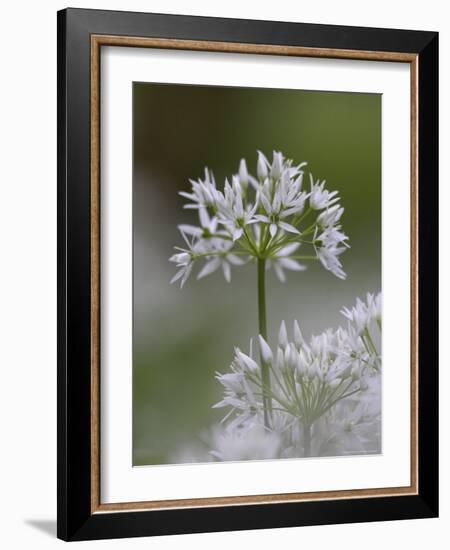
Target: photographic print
(257,309)
(245,308)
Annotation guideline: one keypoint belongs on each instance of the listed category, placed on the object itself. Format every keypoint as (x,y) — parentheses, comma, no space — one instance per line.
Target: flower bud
(277,165)
(266,352)
(280,358)
(261,167)
(246,362)
(298,336)
(302,365)
(293,357)
(282,336)
(182,258)
(243,173)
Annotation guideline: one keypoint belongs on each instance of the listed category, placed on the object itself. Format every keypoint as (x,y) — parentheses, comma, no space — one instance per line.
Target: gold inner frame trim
(97,41)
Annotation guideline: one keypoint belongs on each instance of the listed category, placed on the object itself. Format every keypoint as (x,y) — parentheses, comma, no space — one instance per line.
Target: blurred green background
(182,337)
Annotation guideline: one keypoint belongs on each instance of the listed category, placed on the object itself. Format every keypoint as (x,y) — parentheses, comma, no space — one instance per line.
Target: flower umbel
(266,218)
(315,384)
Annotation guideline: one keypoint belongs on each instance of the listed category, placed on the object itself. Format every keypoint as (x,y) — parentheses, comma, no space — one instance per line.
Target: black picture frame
(76,521)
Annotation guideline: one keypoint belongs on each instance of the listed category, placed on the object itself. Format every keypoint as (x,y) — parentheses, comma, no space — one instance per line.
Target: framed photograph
(247,253)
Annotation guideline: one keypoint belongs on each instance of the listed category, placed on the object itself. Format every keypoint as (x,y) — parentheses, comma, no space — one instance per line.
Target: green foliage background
(182,337)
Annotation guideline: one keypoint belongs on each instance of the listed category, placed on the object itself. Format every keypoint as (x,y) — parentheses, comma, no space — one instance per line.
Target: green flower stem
(267,239)
(262,298)
(265,373)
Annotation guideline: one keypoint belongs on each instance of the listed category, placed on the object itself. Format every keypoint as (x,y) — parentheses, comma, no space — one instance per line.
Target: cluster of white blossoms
(324,394)
(299,398)
(267,217)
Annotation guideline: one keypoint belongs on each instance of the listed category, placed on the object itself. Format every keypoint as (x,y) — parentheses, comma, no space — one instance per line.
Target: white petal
(252,209)
(247,361)
(189,196)
(237,233)
(177,276)
(289,227)
(209,267)
(288,250)
(282,335)
(265,202)
(273,229)
(235,260)
(191,230)
(293,265)
(226,271)
(292,210)
(279,273)
(220,404)
(187,272)
(186,240)
(254,182)
(298,336)
(213,225)
(203,217)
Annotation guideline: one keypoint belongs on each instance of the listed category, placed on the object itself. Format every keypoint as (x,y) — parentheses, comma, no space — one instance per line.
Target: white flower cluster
(300,398)
(267,217)
(324,394)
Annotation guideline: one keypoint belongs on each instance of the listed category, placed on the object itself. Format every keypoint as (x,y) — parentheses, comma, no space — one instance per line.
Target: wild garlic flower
(263,218)
(204,193)
(320,197)
(233,213)
(363,314)
(330,241)
(184,258)
(365,322)
(309,381)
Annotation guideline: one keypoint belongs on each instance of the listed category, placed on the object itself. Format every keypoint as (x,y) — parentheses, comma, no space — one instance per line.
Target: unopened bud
(282,336)
(243,173)
(298,336)
(266,352)
(277,165)
(261,167)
